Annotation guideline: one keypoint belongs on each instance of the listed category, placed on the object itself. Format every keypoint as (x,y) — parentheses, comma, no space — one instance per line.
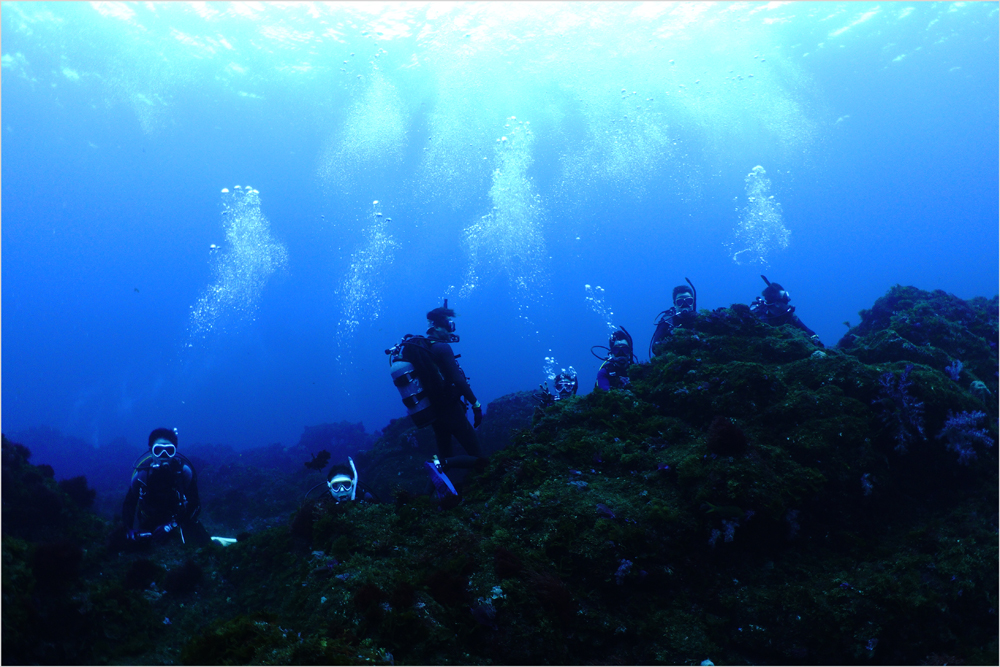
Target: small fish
(605,511)
(136,290)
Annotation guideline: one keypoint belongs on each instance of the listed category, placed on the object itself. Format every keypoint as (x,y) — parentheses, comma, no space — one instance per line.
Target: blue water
(610,145)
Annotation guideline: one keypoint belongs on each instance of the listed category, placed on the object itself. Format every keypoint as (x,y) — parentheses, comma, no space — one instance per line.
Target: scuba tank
(414,371)
(404,376)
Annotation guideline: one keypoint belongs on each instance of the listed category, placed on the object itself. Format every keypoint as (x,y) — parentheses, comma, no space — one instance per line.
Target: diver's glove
(163,531)
(477,415)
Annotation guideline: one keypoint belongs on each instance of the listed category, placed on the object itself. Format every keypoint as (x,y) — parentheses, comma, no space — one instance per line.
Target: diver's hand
(163,531)
(477,415)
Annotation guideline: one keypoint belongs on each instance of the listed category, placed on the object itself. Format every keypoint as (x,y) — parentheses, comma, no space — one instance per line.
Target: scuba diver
(436,391)
(162,499)
(613,373)
(773,307)
(565,383)
(344,485)
(682,313)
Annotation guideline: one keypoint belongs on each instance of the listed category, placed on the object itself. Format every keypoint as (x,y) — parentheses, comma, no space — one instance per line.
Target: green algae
(610,529)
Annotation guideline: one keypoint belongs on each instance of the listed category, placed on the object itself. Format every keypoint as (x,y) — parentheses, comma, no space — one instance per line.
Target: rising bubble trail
(361,289)
(509,238)
(761,230)
(241,265)
(595,297)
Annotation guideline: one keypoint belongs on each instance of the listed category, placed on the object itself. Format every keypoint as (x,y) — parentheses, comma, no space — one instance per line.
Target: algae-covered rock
(751,497)
(503,418)
(930,328)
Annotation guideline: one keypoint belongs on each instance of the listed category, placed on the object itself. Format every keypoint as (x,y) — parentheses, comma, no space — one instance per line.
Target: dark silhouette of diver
(443,382)
(613,373)
(681,314)
(774,307)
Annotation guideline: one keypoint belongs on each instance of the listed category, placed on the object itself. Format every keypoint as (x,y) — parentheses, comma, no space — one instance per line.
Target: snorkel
(694,292)
(340,479)
(354,481)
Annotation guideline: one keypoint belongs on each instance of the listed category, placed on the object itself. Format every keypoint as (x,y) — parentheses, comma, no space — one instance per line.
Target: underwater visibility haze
(190,238)
(217,217)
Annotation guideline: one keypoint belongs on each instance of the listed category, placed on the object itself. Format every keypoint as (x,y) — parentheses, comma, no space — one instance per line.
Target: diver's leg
(442,432)
(466,436)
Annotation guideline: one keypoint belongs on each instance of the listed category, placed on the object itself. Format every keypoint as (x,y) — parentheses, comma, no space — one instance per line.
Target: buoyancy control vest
(161,494)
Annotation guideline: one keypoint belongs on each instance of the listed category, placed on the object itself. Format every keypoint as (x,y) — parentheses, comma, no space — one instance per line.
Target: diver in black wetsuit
(449,392)
(613,373)
(774,308)
(162,499)
(681,314)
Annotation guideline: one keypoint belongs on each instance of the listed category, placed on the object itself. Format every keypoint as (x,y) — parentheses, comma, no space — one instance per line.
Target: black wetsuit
(450,411)
(161,492)
(669,320)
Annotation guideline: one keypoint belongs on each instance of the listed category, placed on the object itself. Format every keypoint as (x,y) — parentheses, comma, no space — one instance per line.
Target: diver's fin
(442,485)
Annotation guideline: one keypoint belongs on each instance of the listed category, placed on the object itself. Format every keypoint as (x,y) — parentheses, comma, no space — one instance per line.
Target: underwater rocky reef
(751,499)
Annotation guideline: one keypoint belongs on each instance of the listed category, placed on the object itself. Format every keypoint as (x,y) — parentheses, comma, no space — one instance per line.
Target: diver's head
(776,299)
(566,384)
(620,345)
(343,481)
(163,443)
(683,299)
(621,352)
(441,323)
